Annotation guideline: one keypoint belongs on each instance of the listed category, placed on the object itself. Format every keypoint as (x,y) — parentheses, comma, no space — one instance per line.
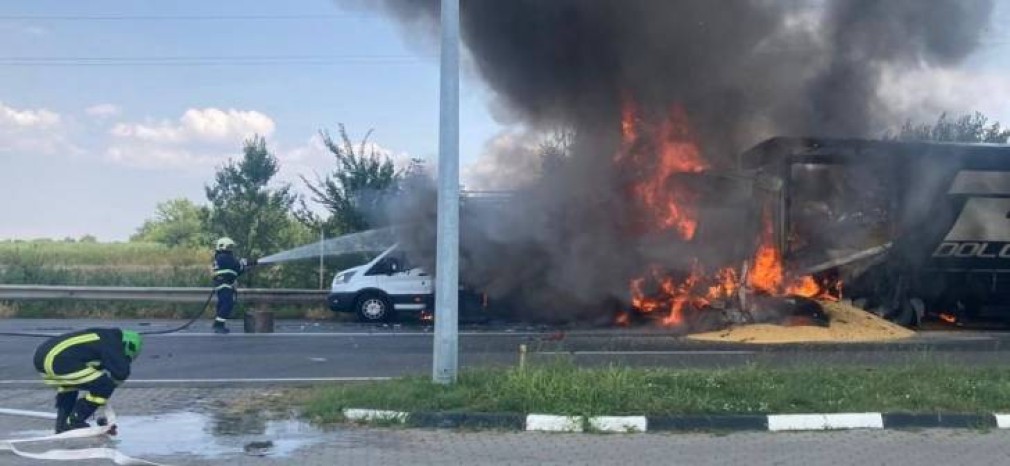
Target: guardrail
(167,294)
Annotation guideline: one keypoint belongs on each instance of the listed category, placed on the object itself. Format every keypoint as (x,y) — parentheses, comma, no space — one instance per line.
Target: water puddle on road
(213,436)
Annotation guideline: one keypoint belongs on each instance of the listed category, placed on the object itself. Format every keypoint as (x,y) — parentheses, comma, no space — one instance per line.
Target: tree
(555,150)
(245,208)
(177,222)
(356,193)
(965,128)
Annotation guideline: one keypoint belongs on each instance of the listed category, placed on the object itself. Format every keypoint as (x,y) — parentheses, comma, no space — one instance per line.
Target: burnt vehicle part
(924,229)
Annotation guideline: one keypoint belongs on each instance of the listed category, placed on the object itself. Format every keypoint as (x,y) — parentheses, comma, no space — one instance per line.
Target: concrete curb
(630,424)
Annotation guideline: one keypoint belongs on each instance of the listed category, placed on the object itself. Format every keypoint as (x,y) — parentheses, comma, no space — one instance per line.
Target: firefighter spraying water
(226,268)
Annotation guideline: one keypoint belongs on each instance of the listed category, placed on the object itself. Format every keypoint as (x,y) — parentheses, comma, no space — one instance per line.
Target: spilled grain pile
(848,324)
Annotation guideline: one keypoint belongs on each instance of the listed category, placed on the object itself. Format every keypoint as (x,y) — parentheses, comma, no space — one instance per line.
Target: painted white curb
(779,422)
(636,424)
(619,423)
(374,415)
(551,423)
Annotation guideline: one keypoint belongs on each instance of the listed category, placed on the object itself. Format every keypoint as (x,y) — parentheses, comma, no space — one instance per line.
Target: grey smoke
(742,69)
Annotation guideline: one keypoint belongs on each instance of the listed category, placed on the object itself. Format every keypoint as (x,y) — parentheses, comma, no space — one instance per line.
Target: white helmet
(224,244)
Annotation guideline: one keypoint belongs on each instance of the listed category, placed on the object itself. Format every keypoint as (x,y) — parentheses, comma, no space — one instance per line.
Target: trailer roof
(791,150)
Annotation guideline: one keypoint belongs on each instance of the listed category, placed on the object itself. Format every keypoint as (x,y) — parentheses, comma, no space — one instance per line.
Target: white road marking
(645,353)
(341,334)
(27,413)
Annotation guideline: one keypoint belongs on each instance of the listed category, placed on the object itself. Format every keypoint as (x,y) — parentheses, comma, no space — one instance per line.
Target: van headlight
(343,277)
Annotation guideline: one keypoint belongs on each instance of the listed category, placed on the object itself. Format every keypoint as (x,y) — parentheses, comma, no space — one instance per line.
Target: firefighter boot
(65,402)
(82,411)
(220,328)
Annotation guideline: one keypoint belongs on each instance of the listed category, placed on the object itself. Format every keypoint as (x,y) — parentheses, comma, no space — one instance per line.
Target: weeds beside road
(45,262)
(565,389)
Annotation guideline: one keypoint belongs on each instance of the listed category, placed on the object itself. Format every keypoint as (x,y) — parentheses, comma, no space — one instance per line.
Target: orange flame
(804,286)
(655,154)
(727,284)
(677,152)
(766,275)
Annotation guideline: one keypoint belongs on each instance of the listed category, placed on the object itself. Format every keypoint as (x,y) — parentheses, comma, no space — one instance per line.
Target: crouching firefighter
(227,268)
(96,360)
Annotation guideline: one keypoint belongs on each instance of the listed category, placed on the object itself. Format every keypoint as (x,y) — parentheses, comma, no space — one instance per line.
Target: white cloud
(34,131)
(200,125)
(30,118)
(198,140)
(924,93)
(103,110)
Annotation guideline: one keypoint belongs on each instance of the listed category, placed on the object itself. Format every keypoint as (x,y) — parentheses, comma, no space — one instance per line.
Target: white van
(376,291)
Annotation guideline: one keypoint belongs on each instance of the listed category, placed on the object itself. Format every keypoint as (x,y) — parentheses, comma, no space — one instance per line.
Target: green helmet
(132,344)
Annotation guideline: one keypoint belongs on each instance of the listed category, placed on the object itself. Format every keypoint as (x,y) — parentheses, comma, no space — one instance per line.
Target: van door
(408,287)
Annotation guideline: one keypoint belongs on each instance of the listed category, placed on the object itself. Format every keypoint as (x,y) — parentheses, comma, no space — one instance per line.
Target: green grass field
(109,254)
(140,264)
(137,264)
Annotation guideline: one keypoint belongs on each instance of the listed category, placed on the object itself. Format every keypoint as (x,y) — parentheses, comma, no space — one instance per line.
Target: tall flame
(659,153)
(655,154)
(766,274)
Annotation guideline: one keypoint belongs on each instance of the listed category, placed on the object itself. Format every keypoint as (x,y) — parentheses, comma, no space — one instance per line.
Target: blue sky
(91,171)
(96,128)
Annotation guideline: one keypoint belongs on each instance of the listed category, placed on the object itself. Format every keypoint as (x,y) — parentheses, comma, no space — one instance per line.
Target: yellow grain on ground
(848,324)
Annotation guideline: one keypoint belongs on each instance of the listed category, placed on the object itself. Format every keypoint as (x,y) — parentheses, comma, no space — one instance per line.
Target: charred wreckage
(905,230)
(651,215)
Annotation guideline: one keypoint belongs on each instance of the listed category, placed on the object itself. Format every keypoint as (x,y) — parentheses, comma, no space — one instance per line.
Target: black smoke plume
(741,70)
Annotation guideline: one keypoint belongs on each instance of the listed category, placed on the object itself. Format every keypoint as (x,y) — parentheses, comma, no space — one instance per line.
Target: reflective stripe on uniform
(225,272)
(80,377)
(224,285)
(95,399)
(73,375)
(63,345)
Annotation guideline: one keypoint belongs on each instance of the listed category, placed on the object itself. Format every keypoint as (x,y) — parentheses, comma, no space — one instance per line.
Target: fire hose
(78,454)
(180,328)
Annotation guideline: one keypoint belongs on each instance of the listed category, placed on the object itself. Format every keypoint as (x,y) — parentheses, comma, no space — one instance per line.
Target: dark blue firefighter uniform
(227,269)
(91,360)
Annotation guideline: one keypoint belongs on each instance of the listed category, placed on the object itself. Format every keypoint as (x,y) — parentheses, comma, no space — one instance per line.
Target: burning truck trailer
(901,229)
(728,271)
(912,229)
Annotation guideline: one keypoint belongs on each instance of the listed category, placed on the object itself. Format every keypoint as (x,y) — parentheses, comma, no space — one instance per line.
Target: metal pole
(322,238)
(446,347)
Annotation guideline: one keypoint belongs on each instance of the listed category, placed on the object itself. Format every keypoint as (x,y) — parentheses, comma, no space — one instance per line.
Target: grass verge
(564,389)
(64,309)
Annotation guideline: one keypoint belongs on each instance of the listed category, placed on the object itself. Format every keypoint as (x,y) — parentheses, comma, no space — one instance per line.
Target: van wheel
(373,308)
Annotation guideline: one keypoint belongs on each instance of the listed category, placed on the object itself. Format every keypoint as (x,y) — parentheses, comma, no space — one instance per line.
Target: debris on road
(847,324)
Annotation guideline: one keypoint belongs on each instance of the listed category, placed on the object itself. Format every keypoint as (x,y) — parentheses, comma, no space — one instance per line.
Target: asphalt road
(302,352)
